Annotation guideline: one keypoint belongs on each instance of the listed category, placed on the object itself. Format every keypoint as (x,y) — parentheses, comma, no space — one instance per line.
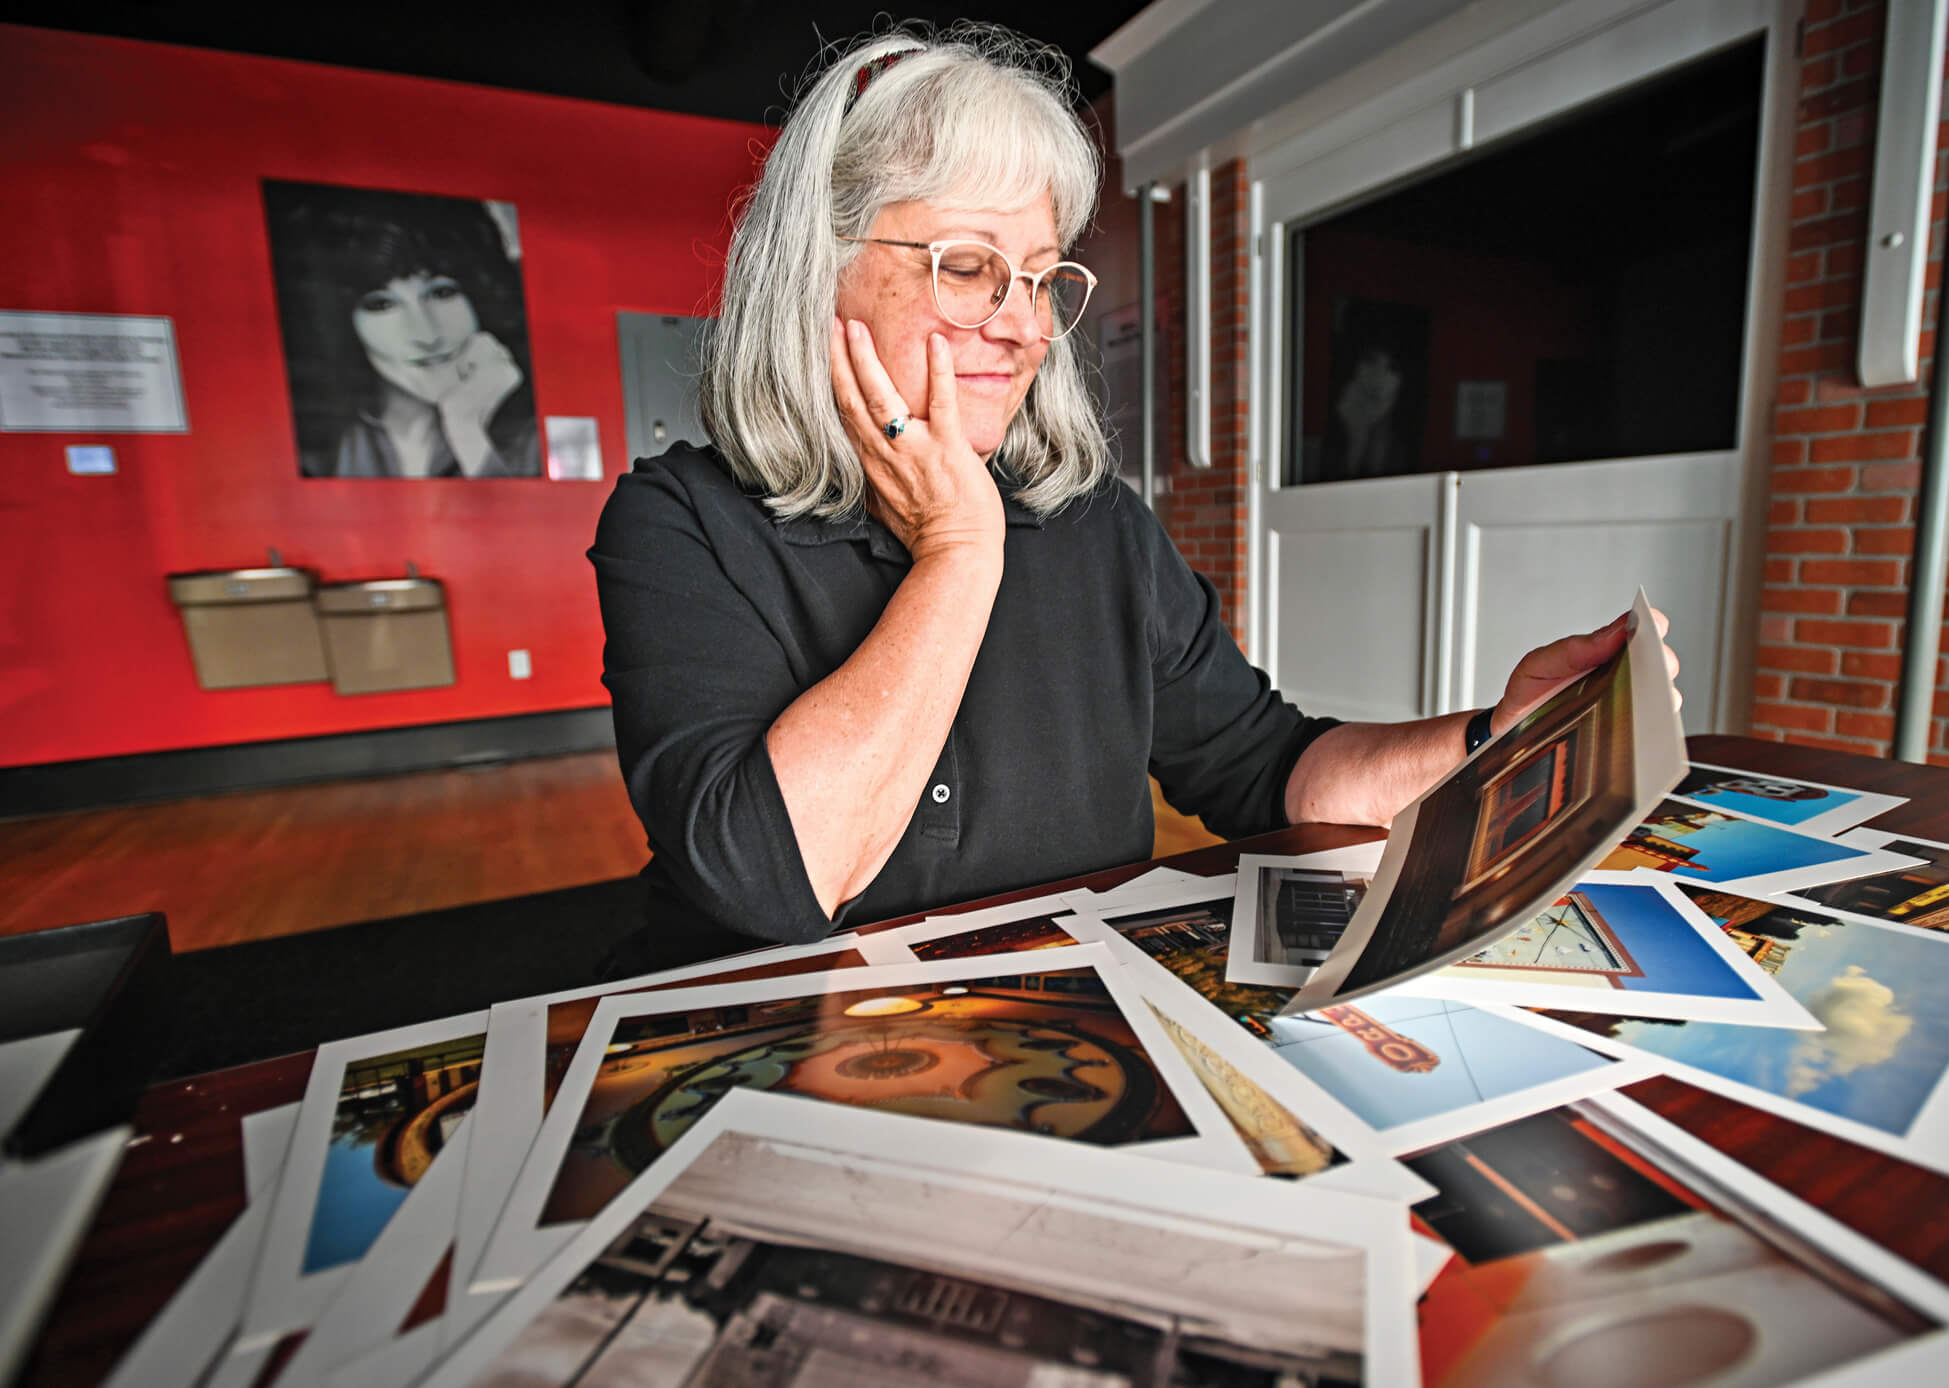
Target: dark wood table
(182,1184)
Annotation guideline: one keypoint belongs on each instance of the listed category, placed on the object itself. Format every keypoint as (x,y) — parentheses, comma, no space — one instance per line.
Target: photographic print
(1622,942)
(1807,806)
(1363,1101)
(1576,1250)
(187,1334)
(1037,932)
(1047,1053)
(1416,1069)
(405,332)
(1513,827)
(1293,911)
(1377,388)
(1279,1141)
(574,448)
(1913,894)
(378,1112)
(972,1257)
(1065,1051)
(1877,1063)
(1745,855)
(1187,933)
(530,1042)
(1032,923)
(397,1286)
(1026,925)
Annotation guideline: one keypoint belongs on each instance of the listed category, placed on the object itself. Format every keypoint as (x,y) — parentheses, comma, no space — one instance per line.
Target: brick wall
(1204,508)
(1846,461)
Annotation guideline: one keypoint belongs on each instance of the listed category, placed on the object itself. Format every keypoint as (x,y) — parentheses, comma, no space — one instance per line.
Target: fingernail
(853,327)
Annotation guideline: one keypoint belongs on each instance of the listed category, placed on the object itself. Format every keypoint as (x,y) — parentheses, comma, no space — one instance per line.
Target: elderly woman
(901,639)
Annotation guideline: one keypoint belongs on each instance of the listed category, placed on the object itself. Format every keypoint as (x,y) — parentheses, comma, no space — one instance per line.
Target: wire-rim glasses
(972,282)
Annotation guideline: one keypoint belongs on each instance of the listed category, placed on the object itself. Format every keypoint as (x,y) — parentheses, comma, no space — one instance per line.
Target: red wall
(129,178)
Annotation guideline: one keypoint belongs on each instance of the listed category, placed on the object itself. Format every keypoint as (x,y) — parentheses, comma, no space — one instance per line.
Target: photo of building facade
(1479,851)
(759,1266)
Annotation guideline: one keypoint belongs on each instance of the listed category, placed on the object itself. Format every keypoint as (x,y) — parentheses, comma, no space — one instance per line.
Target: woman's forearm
(1366,773)
(852,754)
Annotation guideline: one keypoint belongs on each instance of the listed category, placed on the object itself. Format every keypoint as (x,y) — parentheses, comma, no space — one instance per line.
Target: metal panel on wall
(659,368)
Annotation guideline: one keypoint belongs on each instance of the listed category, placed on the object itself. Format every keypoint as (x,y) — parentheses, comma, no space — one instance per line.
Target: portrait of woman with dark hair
(405,335)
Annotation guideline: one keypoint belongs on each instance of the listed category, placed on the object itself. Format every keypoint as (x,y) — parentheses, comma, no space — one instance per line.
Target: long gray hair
(975,117)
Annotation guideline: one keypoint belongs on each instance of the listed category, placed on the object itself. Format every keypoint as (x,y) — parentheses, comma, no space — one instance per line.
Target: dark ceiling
(736,59)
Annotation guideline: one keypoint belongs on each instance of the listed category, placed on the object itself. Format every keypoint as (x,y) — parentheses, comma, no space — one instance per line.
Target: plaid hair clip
(868,71)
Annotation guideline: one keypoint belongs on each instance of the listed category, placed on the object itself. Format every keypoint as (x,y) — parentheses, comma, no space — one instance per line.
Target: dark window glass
(1567,296)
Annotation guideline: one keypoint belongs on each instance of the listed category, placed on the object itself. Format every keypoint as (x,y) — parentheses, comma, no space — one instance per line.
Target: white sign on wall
(574,448)
(1481,409)
(92,373)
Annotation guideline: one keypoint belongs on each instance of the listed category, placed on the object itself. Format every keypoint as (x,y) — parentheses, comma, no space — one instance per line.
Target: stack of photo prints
(1336,1119)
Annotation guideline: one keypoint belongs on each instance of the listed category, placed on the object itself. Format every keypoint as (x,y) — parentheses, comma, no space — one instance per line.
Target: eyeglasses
(972,281)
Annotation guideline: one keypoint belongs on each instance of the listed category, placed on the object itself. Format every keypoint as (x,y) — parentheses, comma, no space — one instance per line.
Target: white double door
(1408,597)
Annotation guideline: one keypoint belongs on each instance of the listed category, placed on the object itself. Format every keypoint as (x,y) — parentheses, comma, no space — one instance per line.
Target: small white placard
(574,450)
(1481,409)
(91,459)
(90,373)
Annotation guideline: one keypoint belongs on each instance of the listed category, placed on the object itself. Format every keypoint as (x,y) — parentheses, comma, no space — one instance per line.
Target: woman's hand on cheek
(484,375)
(928,486)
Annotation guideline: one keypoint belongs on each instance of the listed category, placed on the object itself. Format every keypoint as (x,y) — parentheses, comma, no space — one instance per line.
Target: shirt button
(941,793)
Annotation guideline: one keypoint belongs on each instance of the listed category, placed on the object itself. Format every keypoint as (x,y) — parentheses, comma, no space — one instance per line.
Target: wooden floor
(254,864)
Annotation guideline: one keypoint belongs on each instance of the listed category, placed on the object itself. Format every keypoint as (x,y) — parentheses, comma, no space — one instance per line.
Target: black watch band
(1477,732)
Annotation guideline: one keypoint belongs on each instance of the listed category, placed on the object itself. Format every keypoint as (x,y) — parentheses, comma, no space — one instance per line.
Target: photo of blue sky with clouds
(1883,996)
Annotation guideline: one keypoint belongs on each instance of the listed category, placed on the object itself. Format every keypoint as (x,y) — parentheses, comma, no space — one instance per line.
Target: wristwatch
(1477,732)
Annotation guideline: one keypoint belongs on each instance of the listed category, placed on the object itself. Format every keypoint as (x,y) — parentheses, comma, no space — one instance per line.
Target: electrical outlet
(519,666)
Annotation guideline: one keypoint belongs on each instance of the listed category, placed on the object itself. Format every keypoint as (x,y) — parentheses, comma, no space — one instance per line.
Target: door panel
(1355,583)
(1545,552)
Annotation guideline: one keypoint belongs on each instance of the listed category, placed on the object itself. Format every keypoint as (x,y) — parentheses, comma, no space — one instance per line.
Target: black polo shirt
(1105,657)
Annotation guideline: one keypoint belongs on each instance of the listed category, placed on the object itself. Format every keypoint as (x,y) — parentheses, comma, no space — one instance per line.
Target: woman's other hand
(1538,674)
(485,374)
(929,486)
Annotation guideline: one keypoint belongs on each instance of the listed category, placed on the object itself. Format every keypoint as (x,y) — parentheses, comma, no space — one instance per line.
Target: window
(1571,295)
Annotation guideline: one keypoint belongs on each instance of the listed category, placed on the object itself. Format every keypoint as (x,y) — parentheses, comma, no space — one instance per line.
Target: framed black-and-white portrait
(405,332)
(1377,400)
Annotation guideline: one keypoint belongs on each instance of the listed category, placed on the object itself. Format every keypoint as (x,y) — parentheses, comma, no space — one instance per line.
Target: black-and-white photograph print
(1289,913)
(405,332)
(1377,401)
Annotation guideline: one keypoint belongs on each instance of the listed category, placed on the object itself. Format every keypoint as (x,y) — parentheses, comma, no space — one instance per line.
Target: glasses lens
(1065,289)
(970,283)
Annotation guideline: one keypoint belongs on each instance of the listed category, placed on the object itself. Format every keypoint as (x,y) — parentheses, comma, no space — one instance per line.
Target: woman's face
(412,330)
(891,290)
